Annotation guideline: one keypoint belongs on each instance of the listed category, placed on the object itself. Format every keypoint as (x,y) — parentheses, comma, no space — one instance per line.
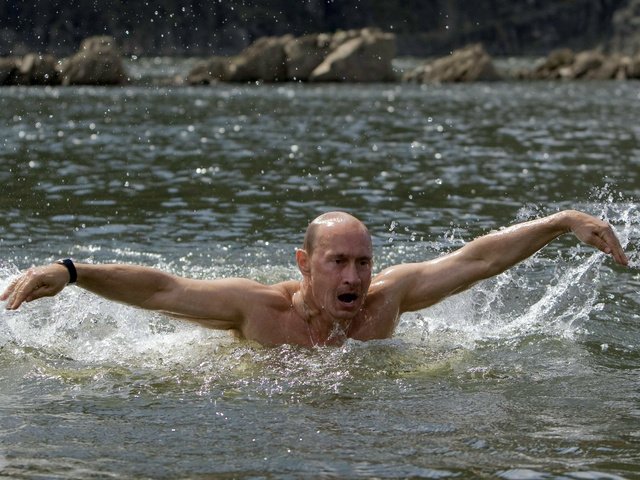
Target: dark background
(223,27)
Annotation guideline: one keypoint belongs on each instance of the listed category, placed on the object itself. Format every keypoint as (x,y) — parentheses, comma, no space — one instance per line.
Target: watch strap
(73,273)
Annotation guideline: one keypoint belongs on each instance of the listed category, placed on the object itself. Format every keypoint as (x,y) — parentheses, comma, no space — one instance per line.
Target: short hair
(310,237)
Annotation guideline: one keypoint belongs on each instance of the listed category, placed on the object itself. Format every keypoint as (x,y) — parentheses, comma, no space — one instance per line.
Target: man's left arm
(419,285)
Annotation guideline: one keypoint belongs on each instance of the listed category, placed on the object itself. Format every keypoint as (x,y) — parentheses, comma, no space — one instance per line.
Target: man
(337,297)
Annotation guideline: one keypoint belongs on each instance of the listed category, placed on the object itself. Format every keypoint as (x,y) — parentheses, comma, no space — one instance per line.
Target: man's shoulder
(277,295)
(287,288)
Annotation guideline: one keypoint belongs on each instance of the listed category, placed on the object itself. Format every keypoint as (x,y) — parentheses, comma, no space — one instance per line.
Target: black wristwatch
(68,263)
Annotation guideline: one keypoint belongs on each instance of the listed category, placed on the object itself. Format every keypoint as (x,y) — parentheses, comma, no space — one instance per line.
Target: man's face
(340,269)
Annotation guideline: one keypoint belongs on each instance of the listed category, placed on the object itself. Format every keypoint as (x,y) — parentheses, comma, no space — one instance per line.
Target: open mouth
(348,297)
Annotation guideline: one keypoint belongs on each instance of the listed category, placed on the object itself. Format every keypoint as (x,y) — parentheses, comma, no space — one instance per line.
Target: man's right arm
(215,303)
(420,285)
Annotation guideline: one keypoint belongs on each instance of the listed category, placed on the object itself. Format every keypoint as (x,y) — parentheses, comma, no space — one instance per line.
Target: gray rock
(264,60)
(364,58)
(37,69)
(98,62)
(211,70)
(304,54)
(632,67)
(469,64)
(549,69)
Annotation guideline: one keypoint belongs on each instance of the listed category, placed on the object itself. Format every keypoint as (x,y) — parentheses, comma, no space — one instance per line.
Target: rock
(263,60)
(594,65)
(632,67)
(549,69)
(558,59)
(584,65)
(304,54)
(612,67)
(9,68)
(343,36)
(97,63)
(212,70)
(469,64)
(37,69)
(365,58)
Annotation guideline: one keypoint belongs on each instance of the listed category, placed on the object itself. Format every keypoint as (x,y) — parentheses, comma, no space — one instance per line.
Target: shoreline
(363,56)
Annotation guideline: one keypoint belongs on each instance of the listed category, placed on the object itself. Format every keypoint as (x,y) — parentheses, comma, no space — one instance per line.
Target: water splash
(555,294)
(548,294)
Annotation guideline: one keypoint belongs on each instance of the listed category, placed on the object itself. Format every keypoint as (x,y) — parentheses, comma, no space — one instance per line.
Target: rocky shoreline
(352,56)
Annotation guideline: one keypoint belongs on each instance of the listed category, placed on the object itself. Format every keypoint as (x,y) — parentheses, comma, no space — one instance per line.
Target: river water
(534,374)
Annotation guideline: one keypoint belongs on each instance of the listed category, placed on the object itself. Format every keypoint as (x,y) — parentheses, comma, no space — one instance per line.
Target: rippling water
(534,374)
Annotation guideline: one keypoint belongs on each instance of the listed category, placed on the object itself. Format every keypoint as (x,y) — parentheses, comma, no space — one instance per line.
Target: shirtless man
(337,297)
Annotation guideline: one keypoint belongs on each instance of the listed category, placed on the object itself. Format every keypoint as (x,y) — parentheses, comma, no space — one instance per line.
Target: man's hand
(35,283)
(596,233)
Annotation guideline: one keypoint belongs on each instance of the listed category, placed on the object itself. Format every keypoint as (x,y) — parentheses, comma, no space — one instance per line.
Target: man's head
(336,263)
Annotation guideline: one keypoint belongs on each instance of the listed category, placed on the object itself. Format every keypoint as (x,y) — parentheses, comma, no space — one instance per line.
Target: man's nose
(350,274)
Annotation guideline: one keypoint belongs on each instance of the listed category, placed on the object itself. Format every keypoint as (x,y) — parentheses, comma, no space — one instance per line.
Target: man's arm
(420,285)
(214,303)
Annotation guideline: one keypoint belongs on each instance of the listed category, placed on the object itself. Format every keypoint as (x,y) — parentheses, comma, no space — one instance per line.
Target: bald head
(325,222)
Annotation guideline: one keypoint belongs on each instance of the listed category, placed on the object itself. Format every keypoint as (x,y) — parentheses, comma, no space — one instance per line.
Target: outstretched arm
(420,285)
(214,303)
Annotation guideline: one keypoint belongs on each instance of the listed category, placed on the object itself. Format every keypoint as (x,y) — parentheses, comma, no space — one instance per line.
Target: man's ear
(303,260)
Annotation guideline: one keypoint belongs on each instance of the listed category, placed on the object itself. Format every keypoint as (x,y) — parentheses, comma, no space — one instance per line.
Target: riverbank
(354,56)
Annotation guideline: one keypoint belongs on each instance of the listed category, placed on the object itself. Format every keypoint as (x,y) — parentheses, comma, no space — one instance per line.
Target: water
(534,374)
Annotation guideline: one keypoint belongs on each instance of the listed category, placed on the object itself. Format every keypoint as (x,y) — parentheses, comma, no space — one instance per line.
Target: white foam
(545,295)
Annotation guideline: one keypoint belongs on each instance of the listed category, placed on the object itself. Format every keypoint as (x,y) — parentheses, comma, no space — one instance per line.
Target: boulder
(263,60)
(549,69)
(212,70)
(468,64)
(594,65)
(341,37)
(304,54)
(584,65)
(97,63)
(612,67)
(632,67)
(9,67)
(37,69)
(364,58)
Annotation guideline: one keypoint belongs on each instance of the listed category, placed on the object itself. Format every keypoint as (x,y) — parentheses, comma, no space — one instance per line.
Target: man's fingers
(612,245)
(607,241)
(13,298)
(7,291)
(33,284)
(20,290)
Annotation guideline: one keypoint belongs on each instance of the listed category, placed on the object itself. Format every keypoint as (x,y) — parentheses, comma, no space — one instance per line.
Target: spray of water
(551,294)
(555,293)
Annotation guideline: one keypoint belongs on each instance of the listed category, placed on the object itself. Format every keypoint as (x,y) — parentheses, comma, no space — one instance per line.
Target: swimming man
(337,297)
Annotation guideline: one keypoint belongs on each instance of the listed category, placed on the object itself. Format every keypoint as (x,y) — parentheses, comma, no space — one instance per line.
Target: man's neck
(304,307)
(322,328)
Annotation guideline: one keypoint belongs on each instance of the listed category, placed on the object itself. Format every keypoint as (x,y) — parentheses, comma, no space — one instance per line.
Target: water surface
(531,375)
